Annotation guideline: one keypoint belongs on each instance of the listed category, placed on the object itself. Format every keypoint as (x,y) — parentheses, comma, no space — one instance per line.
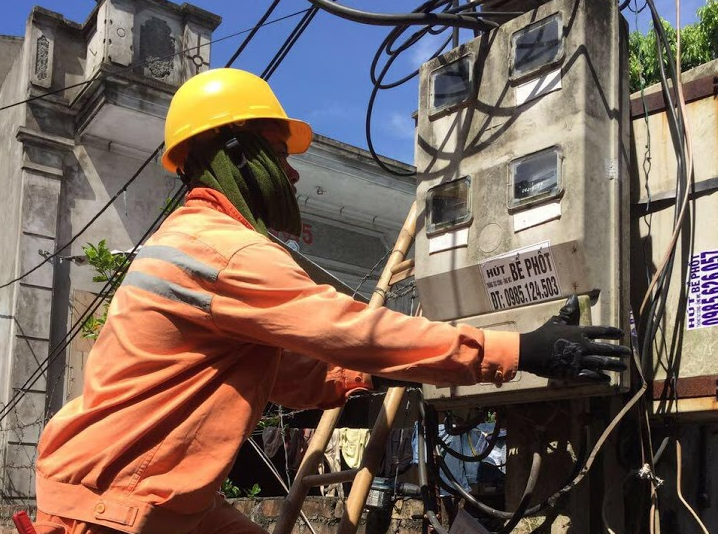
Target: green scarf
(258,187)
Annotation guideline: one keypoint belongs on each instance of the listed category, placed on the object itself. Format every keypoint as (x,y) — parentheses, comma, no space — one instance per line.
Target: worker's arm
(304,382)
(263,296)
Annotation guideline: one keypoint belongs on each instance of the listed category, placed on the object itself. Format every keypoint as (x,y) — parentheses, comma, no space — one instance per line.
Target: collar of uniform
(216,200)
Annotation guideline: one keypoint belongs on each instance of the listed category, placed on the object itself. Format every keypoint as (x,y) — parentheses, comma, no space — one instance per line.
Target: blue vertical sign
(702,308)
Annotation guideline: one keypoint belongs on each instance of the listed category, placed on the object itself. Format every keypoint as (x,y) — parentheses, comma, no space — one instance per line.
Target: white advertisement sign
(702,307)
(522,276)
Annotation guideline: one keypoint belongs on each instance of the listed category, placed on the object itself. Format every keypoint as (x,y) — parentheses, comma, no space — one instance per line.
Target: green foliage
(699,44)
(232,491)
(253,491)
(105,265)
(268,421)
(229,489)
(104,262)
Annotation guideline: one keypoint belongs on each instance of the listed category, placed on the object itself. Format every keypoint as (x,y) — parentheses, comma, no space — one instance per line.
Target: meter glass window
(536,46)
(449,205)
(451,84)
(535,177)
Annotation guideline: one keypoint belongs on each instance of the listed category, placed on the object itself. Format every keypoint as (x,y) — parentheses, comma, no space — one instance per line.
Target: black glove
(562,349)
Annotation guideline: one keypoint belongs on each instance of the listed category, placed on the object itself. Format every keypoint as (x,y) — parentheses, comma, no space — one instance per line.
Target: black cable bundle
(436,17)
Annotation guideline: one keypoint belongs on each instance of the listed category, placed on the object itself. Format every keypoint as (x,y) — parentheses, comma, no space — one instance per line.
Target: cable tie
(645,473)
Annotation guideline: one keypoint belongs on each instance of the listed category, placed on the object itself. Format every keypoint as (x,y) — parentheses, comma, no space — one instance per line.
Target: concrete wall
(13,90)
(10,48)
(57,178)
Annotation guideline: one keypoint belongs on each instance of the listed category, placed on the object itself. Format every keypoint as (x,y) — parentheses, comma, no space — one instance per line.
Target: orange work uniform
(206,328)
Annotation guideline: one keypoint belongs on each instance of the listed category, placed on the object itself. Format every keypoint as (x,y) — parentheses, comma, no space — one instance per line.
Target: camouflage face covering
(245,169)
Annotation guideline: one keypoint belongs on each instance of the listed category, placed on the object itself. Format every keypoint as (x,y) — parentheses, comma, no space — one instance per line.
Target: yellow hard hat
(220,97)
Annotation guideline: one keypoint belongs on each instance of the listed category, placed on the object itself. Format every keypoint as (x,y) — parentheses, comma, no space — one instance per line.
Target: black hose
(526,497)
(404,19)
(424,483)
(482,455)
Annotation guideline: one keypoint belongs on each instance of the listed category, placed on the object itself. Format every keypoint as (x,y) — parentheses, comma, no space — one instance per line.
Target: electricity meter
(522,190)
(451,85)
(534,178)
(448,205)
(537,46)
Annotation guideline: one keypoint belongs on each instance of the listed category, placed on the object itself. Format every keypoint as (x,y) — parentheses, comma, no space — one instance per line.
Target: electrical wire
(491,442)
(679,470)
(459,16)
(370,272)
(289,43)
(102,210)
(76,328)
(526,497)
(429,506)
(680,139)
(152,156)
(254,30)
(276,474)
(658,289)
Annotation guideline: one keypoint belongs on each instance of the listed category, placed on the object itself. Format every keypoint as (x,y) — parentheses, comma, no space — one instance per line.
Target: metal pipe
(334,477)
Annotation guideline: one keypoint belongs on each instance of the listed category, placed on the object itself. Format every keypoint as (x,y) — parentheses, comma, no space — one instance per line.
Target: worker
(213,320)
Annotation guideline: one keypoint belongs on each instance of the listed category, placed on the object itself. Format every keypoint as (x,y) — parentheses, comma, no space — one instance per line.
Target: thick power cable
(251,35)
(451,16)
(122,190)
(405,19)
(491,442)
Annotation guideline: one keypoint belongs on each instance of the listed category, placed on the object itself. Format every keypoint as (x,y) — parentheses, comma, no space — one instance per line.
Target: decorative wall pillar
(42,172)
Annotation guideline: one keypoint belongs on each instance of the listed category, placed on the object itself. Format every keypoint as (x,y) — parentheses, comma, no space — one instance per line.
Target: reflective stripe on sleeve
(168,290)
(180,259)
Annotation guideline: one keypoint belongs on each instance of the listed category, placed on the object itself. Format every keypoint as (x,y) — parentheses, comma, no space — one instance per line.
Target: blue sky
(325,78)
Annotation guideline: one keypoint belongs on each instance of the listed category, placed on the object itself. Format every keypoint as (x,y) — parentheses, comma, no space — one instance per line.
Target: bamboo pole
(292,504)
(379,434)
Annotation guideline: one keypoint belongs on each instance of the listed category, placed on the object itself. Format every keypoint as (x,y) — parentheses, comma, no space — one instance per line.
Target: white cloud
(334,111)
(425,48)
(400,125)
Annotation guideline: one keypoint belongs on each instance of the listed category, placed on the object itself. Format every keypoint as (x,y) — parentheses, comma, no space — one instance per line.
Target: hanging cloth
(353,441)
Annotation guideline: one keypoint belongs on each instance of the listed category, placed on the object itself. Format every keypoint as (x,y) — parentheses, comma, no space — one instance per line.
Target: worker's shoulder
(203,231)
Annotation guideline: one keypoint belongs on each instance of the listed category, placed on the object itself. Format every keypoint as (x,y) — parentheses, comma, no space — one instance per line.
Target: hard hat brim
(300,136)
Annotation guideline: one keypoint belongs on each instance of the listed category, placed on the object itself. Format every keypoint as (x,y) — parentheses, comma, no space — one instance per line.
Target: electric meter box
(522,161)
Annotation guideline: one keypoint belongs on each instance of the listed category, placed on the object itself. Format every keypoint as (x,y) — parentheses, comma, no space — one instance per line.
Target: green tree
(699,44)
(105,264)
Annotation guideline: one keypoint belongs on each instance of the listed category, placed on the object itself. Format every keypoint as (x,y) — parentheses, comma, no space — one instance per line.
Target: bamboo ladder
(362,477)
